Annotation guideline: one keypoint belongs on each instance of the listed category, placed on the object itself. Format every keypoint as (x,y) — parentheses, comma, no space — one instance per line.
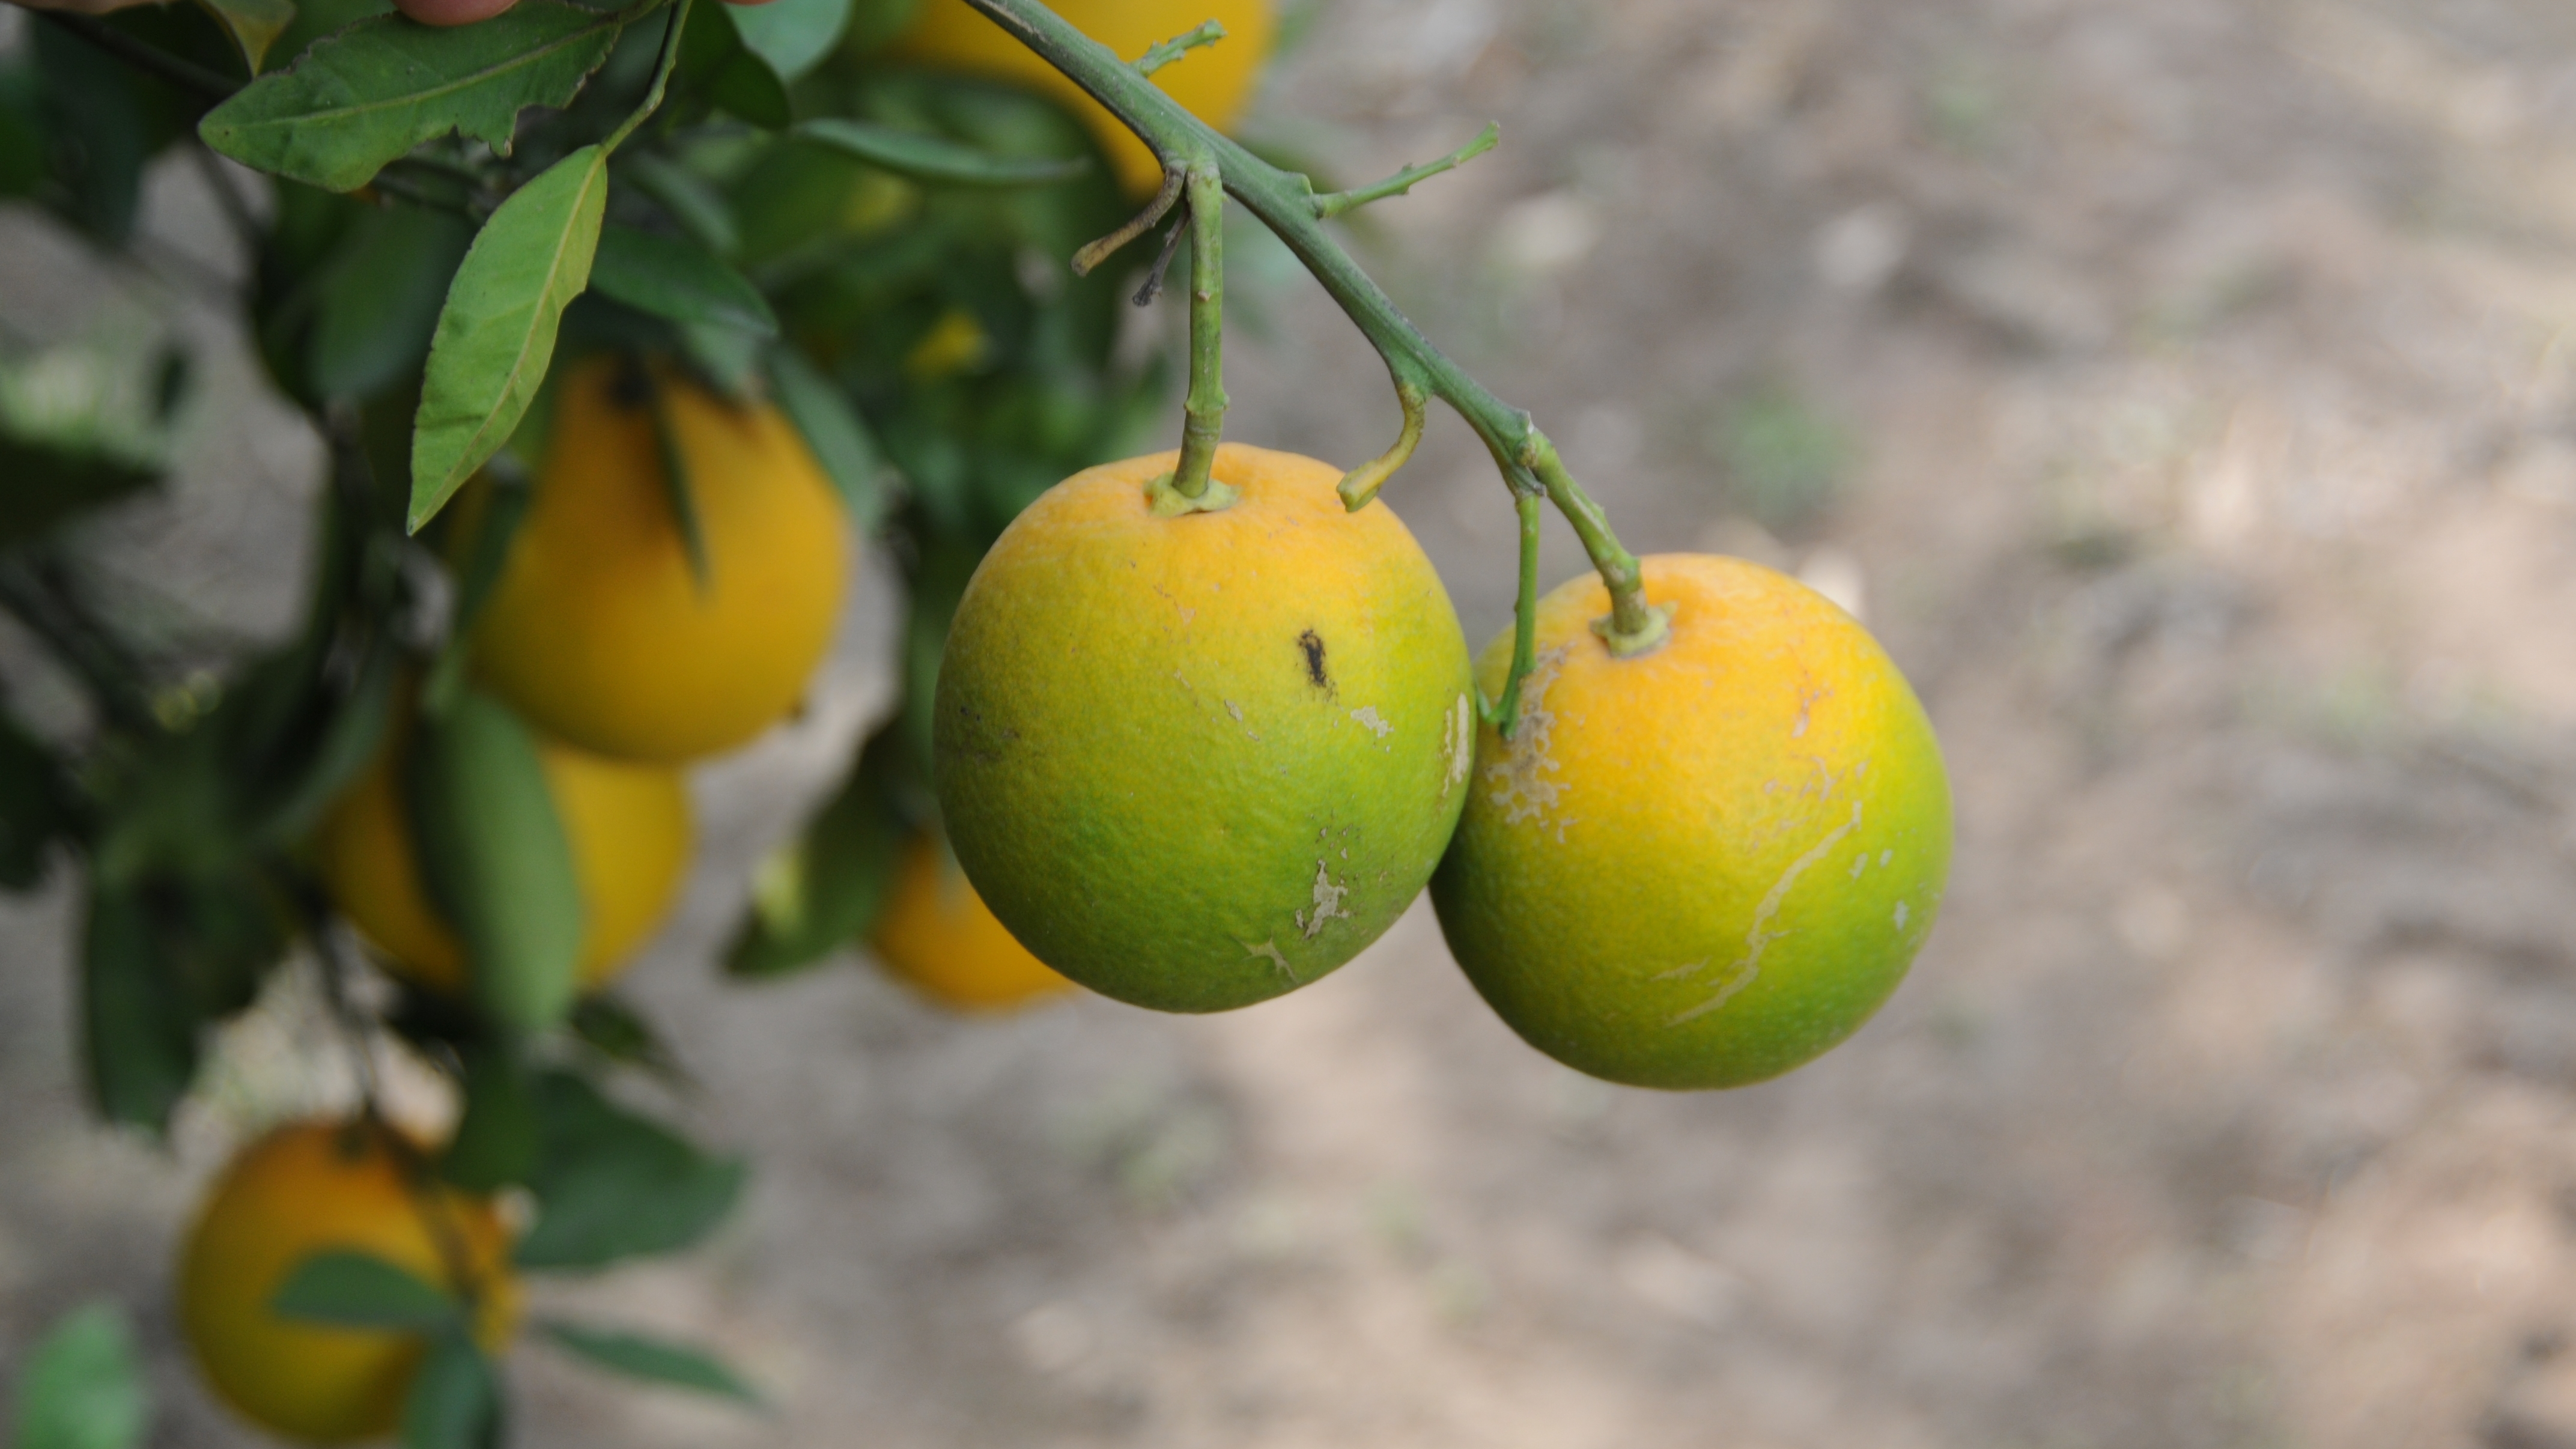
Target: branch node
(1334,203)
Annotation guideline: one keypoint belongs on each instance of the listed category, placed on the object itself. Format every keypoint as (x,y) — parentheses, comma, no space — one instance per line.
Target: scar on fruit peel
(1756,939)
(1367,715)
(1806,702)
(1312,644)
(1270,948)
(1525,792)
(1459,746)
(1328,903)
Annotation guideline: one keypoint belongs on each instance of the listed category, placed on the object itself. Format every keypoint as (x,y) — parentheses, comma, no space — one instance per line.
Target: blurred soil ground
(2183,388)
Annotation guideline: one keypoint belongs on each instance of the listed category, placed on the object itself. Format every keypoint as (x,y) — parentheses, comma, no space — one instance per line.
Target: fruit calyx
(1164,500)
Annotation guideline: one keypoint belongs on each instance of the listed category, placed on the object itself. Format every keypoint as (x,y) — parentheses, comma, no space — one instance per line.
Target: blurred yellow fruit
(328,1186)
(599,632)
(630,831)
(1214,82)
(1194,762)
(1703,864)
(938,936)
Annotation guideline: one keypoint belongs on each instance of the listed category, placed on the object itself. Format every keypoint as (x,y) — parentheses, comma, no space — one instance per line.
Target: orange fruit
(1704,864)
(601,634)
(1196,761)
(629,826)
(328,1186)
(1213,82)
(938,937)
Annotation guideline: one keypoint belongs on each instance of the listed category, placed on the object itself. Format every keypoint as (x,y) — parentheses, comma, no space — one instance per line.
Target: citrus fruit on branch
(1214,82)
(938,937)
(602,633)
(1196,761)
(1704,864)
(313,1187)
(628,825)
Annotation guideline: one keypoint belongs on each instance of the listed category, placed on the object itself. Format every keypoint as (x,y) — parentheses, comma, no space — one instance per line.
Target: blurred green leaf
(716,65)
(687,198)
(254,25)
(137,1023)
(22,136)
(874,23)
(921,156)
(793,36)
(834,431)
(653,1360)
(360,1290)
(333,758)
(496,859)
(496,333)
(677,279)
(455,1400)
(48,486)
(611,1185)
(823,890)
(609,1026)
(35,806)
(358,99)
(496,1138)
(82,1386)
(379,308)
(100,129)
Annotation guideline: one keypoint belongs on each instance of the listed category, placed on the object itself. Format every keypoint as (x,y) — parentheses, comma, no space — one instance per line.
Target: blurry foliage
(879,251)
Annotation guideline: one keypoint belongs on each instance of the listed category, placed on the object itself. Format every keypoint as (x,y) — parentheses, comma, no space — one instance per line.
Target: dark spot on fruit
(1313,644)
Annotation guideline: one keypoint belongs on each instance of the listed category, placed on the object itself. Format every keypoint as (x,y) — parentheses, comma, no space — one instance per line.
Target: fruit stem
(1203,412)
(1505,714)
(1285,202)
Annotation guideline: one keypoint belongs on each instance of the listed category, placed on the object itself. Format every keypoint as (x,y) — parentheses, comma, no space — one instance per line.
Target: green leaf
(51,485)
(834,431)
(823,890)
(715,64)
(359,99)
(377,312)
(137,1022)
(677,279)
(611,1185)
(346,744)
(496,1139)
(687,198)
(792,35)
(254,25)
(360,1290)
(679,491)
(607,1025)
(651,1359)
(455,1399)
(35,806)
(496,859)
(925,157)
(497,332)
(82,1387)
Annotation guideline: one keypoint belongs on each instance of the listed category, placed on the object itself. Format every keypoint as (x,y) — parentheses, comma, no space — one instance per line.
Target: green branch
(1286,202)
(1165,52)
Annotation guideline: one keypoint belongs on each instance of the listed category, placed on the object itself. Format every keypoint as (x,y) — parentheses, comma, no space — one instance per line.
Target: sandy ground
(2183,390)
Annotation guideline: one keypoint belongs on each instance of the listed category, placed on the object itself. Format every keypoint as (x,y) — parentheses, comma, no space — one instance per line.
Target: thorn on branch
(1162,267)
(1165,52)
(1100,251)
(1334,203)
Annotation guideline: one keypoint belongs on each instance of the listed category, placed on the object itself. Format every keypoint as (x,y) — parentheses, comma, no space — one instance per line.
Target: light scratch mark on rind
(1900,915)
(1328,903)
(1740,975)
(1376,723)
(1270,948)
(1459,746)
